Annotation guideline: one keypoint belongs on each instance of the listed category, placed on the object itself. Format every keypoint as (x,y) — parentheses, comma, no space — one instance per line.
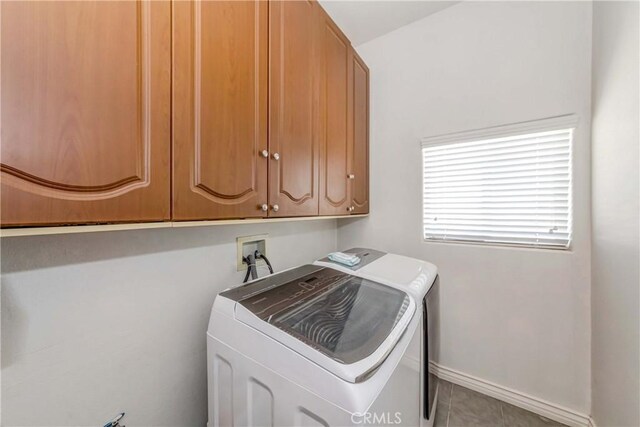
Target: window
(504,185)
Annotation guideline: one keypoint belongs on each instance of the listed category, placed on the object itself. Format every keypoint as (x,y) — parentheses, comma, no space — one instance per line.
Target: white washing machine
(327,345)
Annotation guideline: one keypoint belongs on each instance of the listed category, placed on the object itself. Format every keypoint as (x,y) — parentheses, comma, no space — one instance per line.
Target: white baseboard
(541,407)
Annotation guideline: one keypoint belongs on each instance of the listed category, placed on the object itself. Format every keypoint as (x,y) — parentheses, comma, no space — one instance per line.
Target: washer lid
(345,323)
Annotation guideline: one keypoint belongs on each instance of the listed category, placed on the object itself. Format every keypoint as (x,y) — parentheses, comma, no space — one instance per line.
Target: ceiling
(364,20)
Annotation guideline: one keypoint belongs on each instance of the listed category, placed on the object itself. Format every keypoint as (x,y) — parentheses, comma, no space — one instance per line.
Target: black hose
(251,261)
(246,261)
(252,269)
(259,255)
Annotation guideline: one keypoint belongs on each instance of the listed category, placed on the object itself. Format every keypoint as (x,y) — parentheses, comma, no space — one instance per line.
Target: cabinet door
(294,128)
(335,80)
(220,109)
(360,135)
(85,112)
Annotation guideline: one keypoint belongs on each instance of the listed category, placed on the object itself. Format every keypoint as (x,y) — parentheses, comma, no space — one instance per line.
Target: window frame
(564,122)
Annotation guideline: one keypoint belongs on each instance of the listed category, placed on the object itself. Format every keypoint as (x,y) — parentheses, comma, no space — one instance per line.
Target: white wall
(616,234)
(516,317)
(95,324)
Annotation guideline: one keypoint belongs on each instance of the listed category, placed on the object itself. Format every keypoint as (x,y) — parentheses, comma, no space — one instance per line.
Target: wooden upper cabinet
(336,107)
(360,135)
(138,111)
(219,109)
(294,125)
(85,112)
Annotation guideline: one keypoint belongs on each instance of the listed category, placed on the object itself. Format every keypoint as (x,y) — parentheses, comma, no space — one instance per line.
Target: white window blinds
(505,189)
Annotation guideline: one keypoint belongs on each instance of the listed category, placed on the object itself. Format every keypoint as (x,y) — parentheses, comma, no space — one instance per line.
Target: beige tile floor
(461,407)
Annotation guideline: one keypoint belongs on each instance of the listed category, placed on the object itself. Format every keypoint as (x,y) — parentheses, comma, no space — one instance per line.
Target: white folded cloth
(346,259)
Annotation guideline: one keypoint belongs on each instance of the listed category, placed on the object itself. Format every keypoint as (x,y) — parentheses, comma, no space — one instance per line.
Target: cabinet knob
(264,153)
(264,207)
(351,209)
(275,208)
(351,176)
(276,156)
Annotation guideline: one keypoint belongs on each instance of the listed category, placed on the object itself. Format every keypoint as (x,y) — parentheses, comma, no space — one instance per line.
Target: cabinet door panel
(294,110)
(220,109)
(85,112)
(335,108)
(360,183)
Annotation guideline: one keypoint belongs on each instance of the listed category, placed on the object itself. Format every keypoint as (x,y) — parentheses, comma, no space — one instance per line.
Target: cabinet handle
(264,153)
(351,209)
(264,207)
(351,176)
(275,208)
(276,156)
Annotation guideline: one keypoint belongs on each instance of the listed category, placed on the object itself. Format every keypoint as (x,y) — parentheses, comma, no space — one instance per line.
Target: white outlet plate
(248,244)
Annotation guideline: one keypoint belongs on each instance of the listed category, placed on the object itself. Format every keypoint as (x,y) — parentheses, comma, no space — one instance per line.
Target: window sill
(497,245)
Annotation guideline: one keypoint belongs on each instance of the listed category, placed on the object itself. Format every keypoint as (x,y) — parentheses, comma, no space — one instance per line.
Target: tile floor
(461,407)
